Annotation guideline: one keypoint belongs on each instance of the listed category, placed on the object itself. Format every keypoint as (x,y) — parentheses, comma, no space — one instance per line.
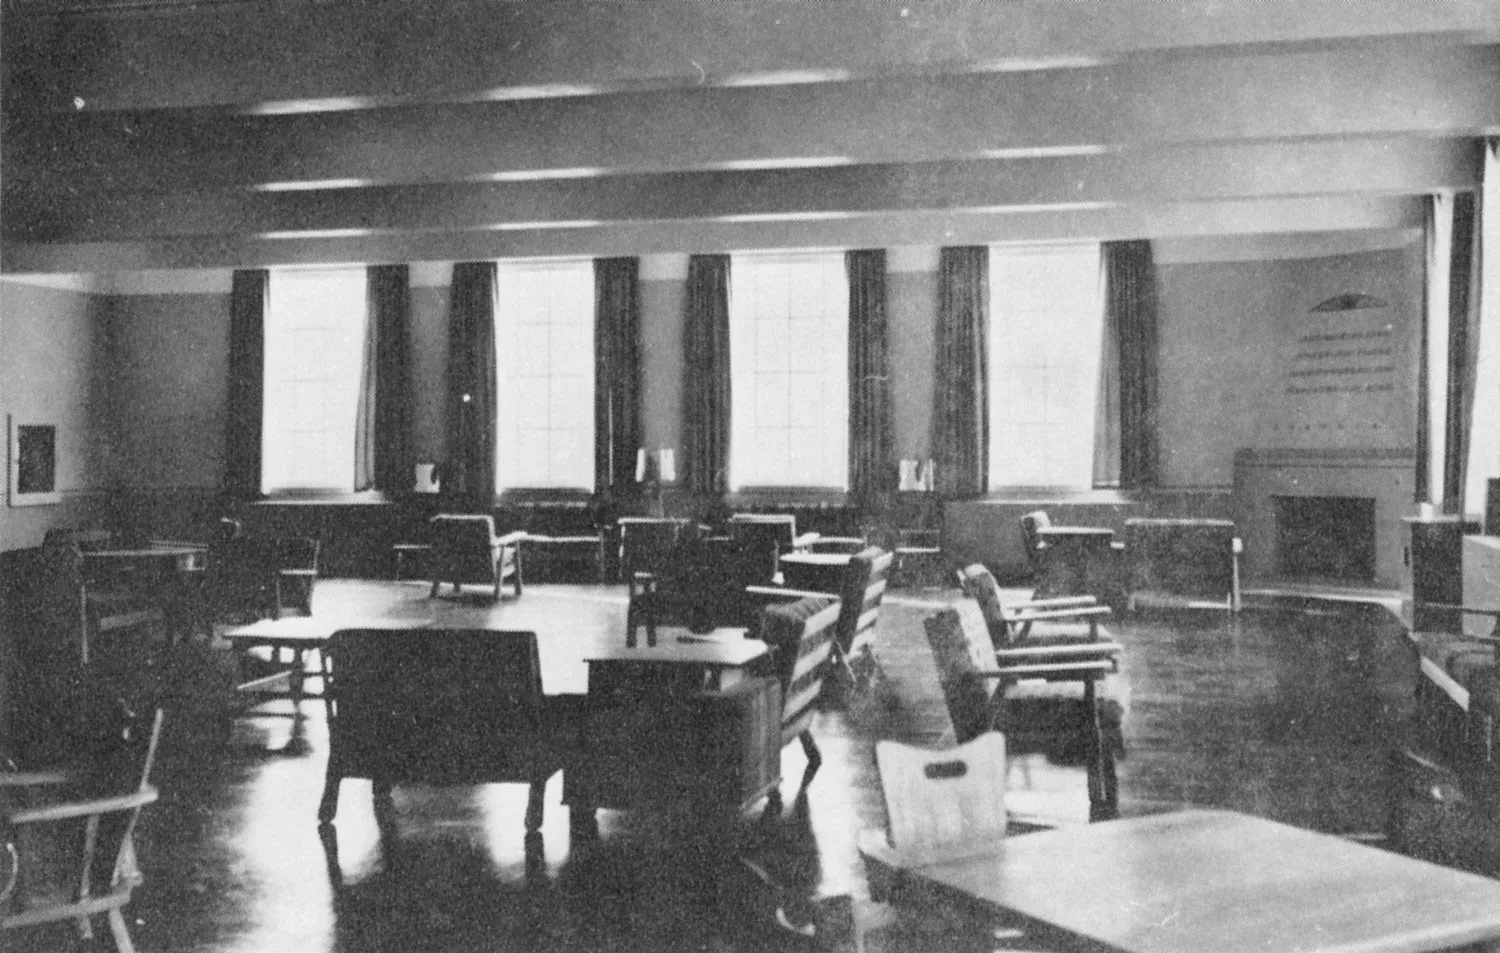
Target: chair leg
(535,803)
(814,757)
(436,583)
(329,805)
(118,930)
(1101,767)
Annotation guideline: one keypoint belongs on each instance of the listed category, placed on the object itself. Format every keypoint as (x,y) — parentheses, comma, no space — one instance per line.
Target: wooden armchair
(79,611)
(296,571)
(465,549)
(1064,621)
(861,590)
(801,636)
(439,706)
(1012,691)
(86,837)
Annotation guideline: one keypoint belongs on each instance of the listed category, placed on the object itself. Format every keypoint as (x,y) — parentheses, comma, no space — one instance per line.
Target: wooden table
(164,570)
(814,572)
(1204,880)
(297,634)
(677,726)
(714,661)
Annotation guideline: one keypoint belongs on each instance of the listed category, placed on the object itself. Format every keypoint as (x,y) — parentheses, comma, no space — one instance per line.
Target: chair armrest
(1056,603)
(26,779)
(1082,612)
(782,594)
(1471,610)
(1056,670)
(805,540)
(1102,648)
(514,538)
(71,810)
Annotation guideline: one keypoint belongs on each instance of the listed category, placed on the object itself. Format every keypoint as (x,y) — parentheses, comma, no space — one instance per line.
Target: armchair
(801,635)
(1010,626)
(445,706)
(1012,691)
(860,594)
(78,611)
(465,549)
(92,832)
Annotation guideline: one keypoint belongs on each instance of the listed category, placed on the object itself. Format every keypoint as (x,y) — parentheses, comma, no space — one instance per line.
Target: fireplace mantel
(1385,475)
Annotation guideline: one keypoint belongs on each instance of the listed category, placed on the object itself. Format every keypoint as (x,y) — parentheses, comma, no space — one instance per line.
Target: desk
(814,572)
(678,726)
(163,570)
(1080,561)
(1216,880)
(582,548)
(714,661)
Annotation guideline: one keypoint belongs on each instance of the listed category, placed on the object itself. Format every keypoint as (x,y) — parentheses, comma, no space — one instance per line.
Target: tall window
(789,370)
(315,328)
(1046,331)
(544,343)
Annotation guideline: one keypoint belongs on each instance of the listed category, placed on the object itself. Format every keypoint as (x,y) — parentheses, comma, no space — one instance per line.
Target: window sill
(1056,495)
(329,498)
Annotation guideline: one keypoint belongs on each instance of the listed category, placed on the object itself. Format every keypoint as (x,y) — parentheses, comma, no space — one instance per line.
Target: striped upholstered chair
(801,636)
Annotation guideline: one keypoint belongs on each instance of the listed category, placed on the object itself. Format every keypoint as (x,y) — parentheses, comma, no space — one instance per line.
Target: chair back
(802,635)
(979,584)
(647,543)
(944,805)
(297,552)
(862,591)
(961,649)
(99,861)
(435,705)
(463,547)
(781,527)
(760,540)
(1031,523)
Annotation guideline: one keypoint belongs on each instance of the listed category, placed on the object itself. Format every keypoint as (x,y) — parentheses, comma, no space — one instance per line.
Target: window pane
(315,325)
(788,325)
(544,338)
(1046,326)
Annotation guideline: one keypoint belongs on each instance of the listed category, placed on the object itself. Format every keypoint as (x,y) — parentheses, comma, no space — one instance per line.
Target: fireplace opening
(1327,537)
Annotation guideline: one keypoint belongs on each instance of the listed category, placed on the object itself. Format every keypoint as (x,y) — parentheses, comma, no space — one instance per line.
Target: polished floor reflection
(1280,711)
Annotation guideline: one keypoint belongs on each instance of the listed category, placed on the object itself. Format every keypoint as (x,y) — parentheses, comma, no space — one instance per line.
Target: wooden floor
(1280,711)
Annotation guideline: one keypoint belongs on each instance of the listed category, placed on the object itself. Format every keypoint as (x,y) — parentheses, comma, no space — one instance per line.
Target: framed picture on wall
(33,463)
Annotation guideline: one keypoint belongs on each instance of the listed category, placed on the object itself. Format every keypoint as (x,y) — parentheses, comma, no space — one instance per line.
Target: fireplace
(1326,537)
(1296,518)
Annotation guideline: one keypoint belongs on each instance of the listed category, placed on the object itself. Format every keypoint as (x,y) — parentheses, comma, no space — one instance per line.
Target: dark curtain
(705,385)
(248,297)
(617,372)
(1463,348)
(1130,303)
(871,467)
(1422,489)
(960,403)
(381,426)
(469,470)
(1106,464)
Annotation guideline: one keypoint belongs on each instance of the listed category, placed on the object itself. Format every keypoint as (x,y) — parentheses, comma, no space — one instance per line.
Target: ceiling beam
(1239,98)
(150,55)
(877,230)
(1148,176)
